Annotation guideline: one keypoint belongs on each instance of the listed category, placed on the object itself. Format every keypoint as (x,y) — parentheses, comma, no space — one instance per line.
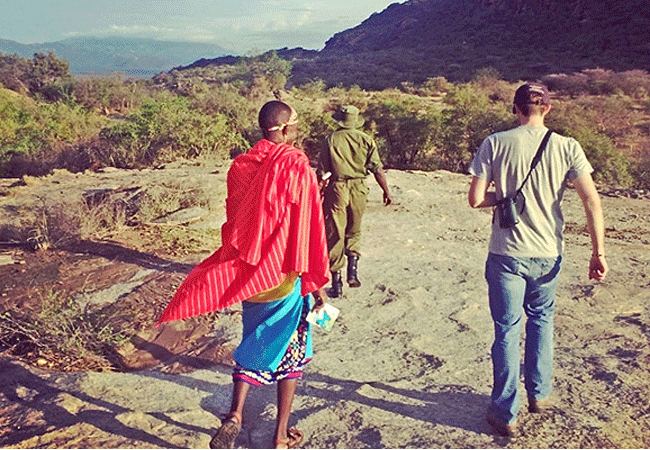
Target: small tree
(49,77)
(407,133)
(470,116)
(261,75)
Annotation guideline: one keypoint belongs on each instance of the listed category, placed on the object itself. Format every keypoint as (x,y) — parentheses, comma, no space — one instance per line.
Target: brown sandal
(228,432)
(293,440)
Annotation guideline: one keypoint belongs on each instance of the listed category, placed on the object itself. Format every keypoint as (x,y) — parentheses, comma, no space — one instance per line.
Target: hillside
(522,39)
(131,56)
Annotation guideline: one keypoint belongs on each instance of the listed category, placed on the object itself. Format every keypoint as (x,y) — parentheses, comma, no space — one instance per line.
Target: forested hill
(584,27)
(522,39)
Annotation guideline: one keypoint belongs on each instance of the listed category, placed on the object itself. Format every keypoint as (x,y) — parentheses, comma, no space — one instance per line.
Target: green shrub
(469,118)
(312,89)
(239,111)
(314,125)
(108,95)
(640,172)
(486,77)
(38,130)
(406,132)
(167,129)
(434,86)
(574,120)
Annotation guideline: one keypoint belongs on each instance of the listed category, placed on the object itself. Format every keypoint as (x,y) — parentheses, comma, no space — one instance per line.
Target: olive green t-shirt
(350,153)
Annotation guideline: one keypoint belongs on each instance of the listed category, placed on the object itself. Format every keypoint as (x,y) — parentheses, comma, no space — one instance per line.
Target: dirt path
(407,364)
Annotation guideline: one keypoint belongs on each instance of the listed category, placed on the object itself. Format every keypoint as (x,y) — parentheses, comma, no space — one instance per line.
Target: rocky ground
(406,365)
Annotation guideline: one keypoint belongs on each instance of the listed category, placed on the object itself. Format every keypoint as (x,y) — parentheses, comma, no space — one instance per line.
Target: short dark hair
(529,109)
(273,114)
(531,98)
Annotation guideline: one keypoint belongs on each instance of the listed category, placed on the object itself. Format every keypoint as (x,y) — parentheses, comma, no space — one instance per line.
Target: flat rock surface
(406,365)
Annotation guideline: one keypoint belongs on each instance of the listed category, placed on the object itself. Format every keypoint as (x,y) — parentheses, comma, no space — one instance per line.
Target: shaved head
(274,114)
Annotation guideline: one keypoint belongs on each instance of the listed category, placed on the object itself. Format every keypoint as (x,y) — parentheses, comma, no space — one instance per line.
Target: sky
(241,26)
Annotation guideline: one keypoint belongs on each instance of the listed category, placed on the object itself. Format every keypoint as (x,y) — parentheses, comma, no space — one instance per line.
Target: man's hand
(586,189)
(598,268)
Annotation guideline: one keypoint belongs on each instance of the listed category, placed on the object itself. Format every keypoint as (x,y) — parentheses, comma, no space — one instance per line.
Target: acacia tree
(470,116)
(13,71)
(45,76)
(406,132)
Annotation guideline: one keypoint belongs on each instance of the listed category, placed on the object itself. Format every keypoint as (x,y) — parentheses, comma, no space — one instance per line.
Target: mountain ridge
(131,56)
(411,42)
(521,39)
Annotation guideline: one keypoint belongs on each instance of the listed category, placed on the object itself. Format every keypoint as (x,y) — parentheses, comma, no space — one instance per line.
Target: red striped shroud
(274,226)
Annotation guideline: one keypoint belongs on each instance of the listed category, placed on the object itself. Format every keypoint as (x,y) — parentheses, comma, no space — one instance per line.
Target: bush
(314,125)
(70,336)
(407,132)
(434,86)
(633,83)
(578,122)
(240,113)
(486,77)
(641,173)
(212,112)
(167,129)
(108,95)
(469,118)
(38,131)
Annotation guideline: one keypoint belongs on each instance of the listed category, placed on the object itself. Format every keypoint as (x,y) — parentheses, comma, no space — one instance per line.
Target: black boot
(337,285)
(353,277)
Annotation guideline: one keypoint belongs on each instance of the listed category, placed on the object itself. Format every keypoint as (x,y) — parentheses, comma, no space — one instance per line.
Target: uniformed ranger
(347,160)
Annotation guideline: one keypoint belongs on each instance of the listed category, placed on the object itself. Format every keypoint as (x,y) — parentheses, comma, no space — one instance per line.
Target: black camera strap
(533,164)
(536,159)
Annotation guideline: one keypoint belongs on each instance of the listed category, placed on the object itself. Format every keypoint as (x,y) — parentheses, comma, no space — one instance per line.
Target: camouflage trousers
(343,205)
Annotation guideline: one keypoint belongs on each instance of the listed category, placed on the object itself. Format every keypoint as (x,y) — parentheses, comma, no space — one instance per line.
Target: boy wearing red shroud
(273,258)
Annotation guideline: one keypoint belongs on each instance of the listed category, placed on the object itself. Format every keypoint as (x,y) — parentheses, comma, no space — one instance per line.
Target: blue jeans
(516,285)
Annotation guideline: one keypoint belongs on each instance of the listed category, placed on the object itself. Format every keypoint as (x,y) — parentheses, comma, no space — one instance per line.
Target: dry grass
(61,334)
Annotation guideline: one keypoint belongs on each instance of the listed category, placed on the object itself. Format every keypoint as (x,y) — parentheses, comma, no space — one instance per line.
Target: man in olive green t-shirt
(350,155)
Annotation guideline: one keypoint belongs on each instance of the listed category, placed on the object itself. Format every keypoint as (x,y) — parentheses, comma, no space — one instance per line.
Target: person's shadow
(450,405)
(29,392)
(455,406)
(117,252)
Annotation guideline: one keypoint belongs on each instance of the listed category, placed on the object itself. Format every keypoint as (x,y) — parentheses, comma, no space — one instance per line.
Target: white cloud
(136,29)
(262,24)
